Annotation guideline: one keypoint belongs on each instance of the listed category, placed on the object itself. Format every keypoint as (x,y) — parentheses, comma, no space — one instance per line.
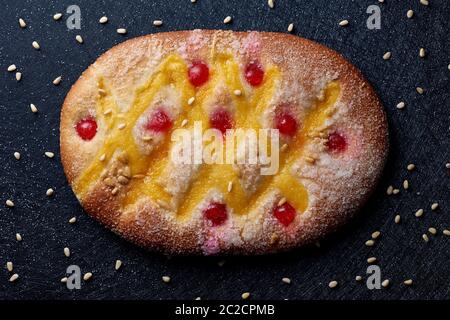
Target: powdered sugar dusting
(337,184)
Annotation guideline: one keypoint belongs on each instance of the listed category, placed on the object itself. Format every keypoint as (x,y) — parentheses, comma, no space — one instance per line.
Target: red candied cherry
(159,121)
(198,73)
(286,124)
(221,120)
(336,142)
(285,213)
(216,213)
(254,73)
(86,128)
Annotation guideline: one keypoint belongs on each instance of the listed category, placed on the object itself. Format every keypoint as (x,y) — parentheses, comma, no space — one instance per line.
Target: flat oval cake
(220,142)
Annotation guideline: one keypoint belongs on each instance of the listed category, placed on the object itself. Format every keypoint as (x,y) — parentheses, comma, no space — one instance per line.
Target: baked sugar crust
(145,208)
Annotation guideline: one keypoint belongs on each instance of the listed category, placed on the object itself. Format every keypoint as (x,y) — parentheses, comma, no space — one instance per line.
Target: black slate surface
(418,134)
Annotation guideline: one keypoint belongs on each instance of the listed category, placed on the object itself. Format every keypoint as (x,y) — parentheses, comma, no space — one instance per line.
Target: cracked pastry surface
(116,126)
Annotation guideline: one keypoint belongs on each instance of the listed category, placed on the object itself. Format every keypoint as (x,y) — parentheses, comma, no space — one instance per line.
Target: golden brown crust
(338,186)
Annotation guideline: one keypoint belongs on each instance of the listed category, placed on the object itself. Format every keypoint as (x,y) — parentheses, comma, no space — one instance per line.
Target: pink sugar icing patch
(211,244)
(195,42)
(252,44)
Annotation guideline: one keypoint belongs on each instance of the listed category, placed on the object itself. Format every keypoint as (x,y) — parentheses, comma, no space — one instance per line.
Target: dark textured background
(418,134)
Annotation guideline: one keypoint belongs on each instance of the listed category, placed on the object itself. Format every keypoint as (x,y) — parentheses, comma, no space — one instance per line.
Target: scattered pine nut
(282,201)
(102,157)
(419,90)
(387,55)
(411,167)
(227,20)
(389,190)
(422,53)
(9,203)
(237,92)
(385,283)
(358,278)
(343,23)
(376,234)
(36,45)
(447,165)
(397,219)
(118,264)
(184,122)
(400,105)
(434,206)
(67,252)
(425,238)
(405,184)
(408,282)
(432,230)
(9,266)
(157,23)
(419,213)
(17,155)
(14,277)
(410,13)
(446,232)
(271,3)
(79,38)
(230,186)
(286,280)
(33,108)
(121,31)
(49,192)
(395,191)
(49,154)
(166,279)
(87,276)
(290,27)
(371,260)
(121,126)
(12,68)
(333,284)
(22,23)
(57,81)
(72,220)
(245,295)
(18,76)
(64,280)
(57,16)
(191,100)
(18,237)
(424,2)
(103,20)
